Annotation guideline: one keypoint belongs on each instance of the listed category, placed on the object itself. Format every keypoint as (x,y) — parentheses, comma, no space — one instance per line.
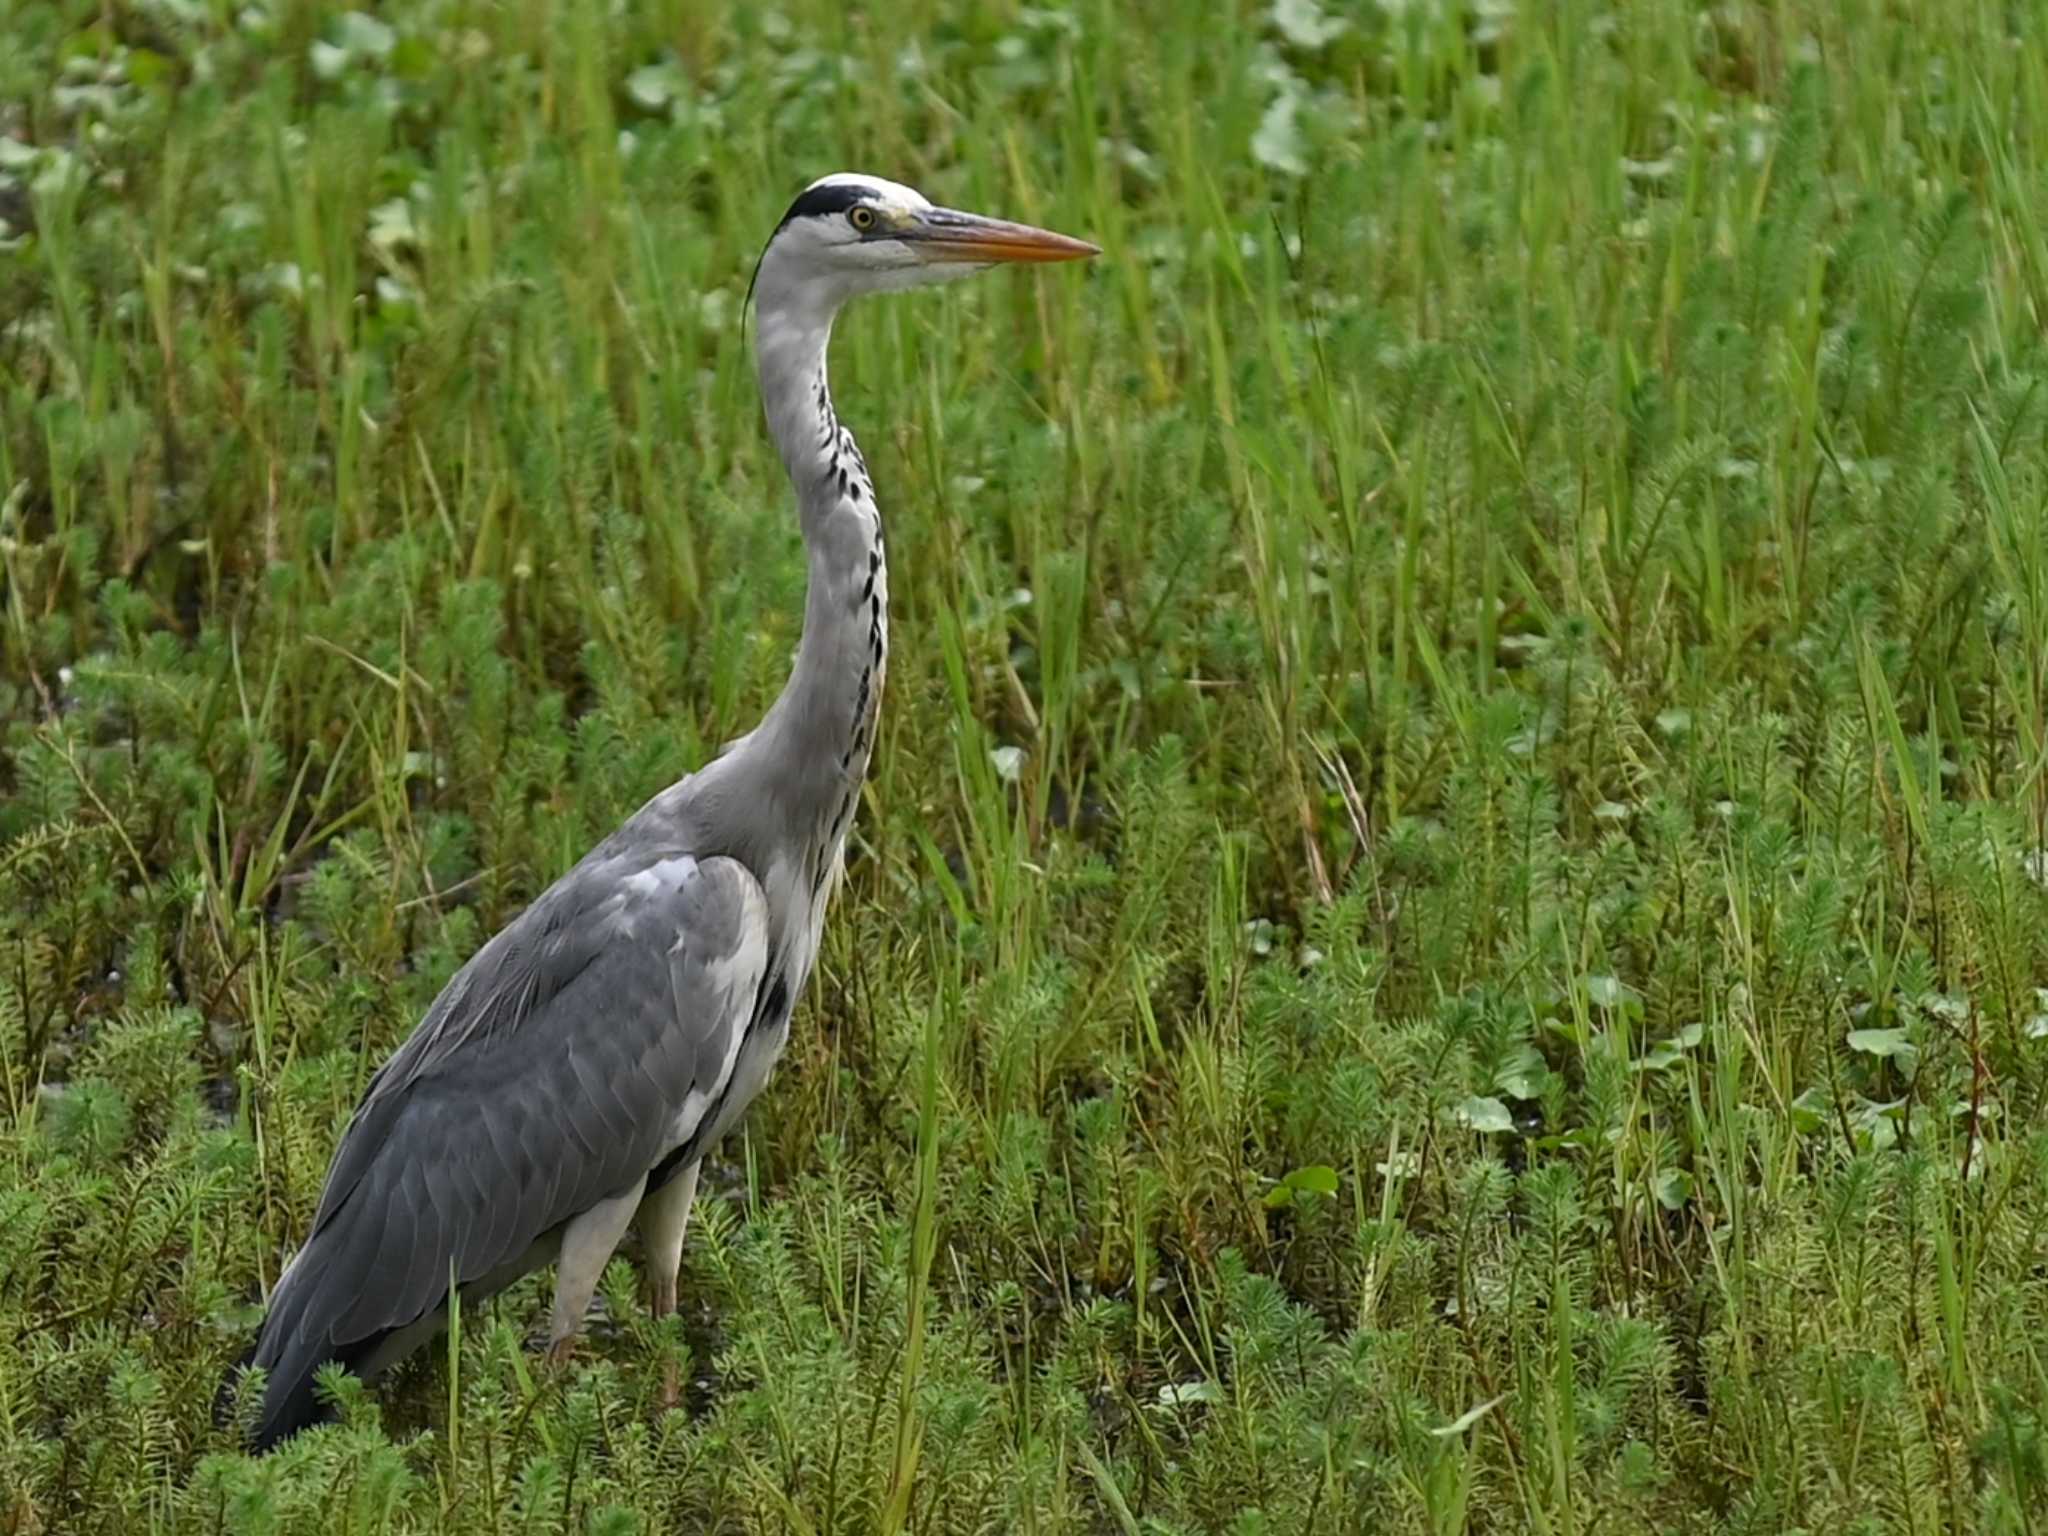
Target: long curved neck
(820,731)
(791,340)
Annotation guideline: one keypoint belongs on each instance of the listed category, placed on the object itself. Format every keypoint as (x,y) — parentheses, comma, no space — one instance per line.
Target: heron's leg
(664,1218)
(587,1244)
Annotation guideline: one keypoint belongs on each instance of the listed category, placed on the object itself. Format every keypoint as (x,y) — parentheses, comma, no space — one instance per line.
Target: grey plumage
(572,1075)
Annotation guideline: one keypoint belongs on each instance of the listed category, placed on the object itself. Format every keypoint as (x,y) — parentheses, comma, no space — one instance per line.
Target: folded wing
(579,1046)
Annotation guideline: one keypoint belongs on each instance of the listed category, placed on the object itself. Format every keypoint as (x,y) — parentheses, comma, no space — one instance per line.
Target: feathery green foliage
(1450,928)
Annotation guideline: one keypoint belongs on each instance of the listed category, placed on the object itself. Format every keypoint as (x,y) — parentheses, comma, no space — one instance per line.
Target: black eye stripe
(834,197)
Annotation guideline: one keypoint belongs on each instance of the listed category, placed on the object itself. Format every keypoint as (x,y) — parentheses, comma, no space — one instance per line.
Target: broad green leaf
(1277,144)
(1606,991)
(1488,1116)
(1320,1179)
(1523,1074)
(1887,1044)
(1303,23)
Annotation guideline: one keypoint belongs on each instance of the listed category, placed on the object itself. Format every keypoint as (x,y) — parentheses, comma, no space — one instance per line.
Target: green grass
(1498,990)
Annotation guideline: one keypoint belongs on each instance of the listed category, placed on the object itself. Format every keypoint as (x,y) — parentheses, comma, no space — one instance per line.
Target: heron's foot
(561,1351)
(663,1302)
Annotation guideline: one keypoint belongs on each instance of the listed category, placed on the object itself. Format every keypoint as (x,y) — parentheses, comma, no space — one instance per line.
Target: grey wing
(583,1043)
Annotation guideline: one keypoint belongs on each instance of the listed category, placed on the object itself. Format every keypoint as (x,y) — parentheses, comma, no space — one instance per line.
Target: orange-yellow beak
(947,235)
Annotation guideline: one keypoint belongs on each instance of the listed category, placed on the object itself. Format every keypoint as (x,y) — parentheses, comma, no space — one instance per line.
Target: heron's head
(847,235)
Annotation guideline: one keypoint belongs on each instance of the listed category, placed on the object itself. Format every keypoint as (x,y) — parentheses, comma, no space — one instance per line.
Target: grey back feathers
(588,1041)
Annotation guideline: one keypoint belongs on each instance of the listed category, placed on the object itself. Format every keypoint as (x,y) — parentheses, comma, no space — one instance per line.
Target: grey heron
(571,1076)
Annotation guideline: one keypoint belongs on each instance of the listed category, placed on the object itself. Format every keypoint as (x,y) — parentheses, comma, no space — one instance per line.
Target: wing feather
(554,1070)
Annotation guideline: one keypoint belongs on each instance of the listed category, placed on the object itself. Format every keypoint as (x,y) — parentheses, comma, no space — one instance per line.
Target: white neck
(817,738)
(790,345)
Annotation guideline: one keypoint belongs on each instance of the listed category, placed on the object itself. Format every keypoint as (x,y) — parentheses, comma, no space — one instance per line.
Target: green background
(1446,930)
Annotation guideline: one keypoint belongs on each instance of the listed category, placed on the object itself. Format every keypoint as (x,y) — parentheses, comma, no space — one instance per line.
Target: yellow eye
(862,218)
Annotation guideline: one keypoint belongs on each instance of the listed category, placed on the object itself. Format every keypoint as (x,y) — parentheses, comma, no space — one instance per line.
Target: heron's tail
(291,1347)
(307,1309)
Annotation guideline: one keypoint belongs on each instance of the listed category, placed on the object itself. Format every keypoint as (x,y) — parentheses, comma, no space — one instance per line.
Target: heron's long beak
(947,235)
